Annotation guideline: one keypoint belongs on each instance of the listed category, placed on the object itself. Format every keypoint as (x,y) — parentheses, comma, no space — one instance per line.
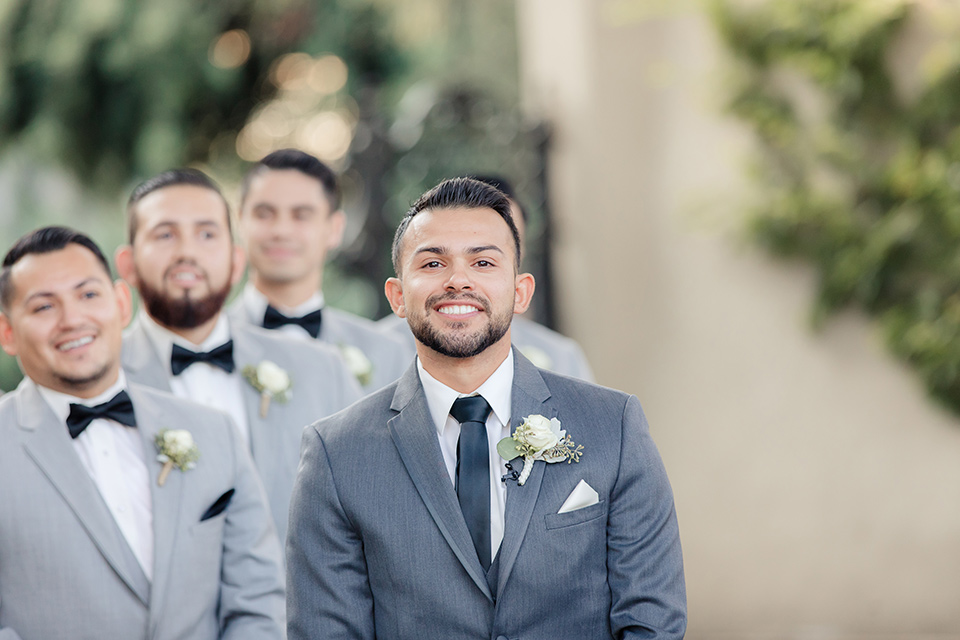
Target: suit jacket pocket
(219,506)
(571,518)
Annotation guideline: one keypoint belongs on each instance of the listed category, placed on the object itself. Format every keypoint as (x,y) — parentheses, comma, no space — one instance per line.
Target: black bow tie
(273,319)
(118,408)
(221,356)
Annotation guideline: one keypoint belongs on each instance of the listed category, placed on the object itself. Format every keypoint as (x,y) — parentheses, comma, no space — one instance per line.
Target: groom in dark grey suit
(407,521)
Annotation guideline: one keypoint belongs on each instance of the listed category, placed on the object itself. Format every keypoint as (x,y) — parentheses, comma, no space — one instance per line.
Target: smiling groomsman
(290,219)
(98,538)
(407,523)
(182,260)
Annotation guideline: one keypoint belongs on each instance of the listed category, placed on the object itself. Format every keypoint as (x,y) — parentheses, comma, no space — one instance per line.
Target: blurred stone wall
(817,487)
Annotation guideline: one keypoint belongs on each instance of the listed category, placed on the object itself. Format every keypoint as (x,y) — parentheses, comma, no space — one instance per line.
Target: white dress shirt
(497,390)
(113,455)
(202,382)
(255,304)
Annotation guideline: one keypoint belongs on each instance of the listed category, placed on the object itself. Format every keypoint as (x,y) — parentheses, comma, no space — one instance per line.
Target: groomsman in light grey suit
(182,260)
(97,540)
(407,523)
(290,218)
(543,346)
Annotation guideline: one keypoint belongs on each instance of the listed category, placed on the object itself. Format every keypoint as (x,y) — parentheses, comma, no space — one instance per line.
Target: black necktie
(221,356)
(118,408)
(273,319)
(473,471)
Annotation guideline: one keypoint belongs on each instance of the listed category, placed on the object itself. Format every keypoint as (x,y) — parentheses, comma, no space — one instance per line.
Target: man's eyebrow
(49,294)
(486,247)
(434,250)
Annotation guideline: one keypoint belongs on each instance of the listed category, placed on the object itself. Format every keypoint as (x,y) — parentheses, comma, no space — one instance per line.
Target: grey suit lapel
(530,395)
(167,500)
(416,440)
(247,351)
(51,449)
(141,361)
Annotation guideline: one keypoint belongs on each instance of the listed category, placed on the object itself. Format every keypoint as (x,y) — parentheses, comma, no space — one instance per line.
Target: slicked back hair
(296,160)
(456,193)
(44,240)
(505,186)
(170,178)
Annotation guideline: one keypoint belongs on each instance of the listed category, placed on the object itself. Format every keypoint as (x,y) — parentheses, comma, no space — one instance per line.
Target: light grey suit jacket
(388,355)
(66,571)
(544,347)
(378,547)
(321,386)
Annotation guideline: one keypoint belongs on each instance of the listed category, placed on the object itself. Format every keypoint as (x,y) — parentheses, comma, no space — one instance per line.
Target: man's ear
(393,289)
(124,301)
(239,264)
(523,294)
(338,223)
(6,335)
(123,260)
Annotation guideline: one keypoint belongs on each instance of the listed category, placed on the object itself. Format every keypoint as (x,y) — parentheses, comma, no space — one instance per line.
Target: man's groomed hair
(454,193)
(170,178)
(296,160)
(44,240)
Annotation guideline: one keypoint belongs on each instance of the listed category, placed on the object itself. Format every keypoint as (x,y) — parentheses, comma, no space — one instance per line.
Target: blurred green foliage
(858,164)
(117,90)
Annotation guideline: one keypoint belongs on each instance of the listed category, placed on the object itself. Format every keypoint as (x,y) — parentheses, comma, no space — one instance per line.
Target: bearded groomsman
(182,260)
(543,346)
(98,537)
(290,218)
(407,523)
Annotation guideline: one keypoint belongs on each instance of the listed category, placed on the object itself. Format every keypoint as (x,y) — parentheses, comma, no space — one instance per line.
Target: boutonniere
(176,449)
(271,381)
(358,363)
(538,438)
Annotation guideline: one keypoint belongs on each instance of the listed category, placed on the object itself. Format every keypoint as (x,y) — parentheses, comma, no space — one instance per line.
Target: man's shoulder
(348,327)
(367,415)
(282,347)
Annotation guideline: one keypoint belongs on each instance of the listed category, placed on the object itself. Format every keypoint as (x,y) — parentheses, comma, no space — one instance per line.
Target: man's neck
(464,375)
(287,294)
(195,335)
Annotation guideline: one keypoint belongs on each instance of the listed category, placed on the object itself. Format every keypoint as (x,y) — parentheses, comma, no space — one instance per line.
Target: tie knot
(472,409)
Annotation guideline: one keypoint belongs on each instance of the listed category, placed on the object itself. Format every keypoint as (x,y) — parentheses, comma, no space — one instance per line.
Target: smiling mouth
(75,344)
(456,309)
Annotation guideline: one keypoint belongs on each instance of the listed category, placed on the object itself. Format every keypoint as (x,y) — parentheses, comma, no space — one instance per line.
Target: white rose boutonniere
(271,381)
(538,438)
(357,362)
(175,448)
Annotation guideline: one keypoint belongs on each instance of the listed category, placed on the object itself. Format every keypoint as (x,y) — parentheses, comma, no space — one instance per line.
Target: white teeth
(185,276)
(457,310)
(73,344)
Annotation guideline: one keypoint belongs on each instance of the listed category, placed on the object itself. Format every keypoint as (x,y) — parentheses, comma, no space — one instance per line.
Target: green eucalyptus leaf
(507,448)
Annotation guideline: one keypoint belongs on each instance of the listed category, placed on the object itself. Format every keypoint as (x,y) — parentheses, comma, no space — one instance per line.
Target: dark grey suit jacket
(66,571)
(378,547)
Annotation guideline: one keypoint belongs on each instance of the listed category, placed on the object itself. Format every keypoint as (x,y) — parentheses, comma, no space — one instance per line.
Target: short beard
(182,313)
(459,346)
(84,383)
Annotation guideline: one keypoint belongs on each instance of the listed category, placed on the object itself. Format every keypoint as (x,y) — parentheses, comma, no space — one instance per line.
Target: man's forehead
(181,203)
(52,271)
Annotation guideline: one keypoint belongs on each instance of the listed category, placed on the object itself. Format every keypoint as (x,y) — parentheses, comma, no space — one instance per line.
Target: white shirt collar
(497,390)
(60,402)
(163,339)
(256,304)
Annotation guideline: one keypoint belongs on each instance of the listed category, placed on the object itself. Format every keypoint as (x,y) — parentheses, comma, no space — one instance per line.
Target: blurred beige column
(818,490)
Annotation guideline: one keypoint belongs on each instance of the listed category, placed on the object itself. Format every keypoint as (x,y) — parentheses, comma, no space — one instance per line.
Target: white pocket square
(582,496)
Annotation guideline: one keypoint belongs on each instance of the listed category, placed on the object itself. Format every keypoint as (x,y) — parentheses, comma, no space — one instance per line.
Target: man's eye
(484,263)
(91,294)
(41,307)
